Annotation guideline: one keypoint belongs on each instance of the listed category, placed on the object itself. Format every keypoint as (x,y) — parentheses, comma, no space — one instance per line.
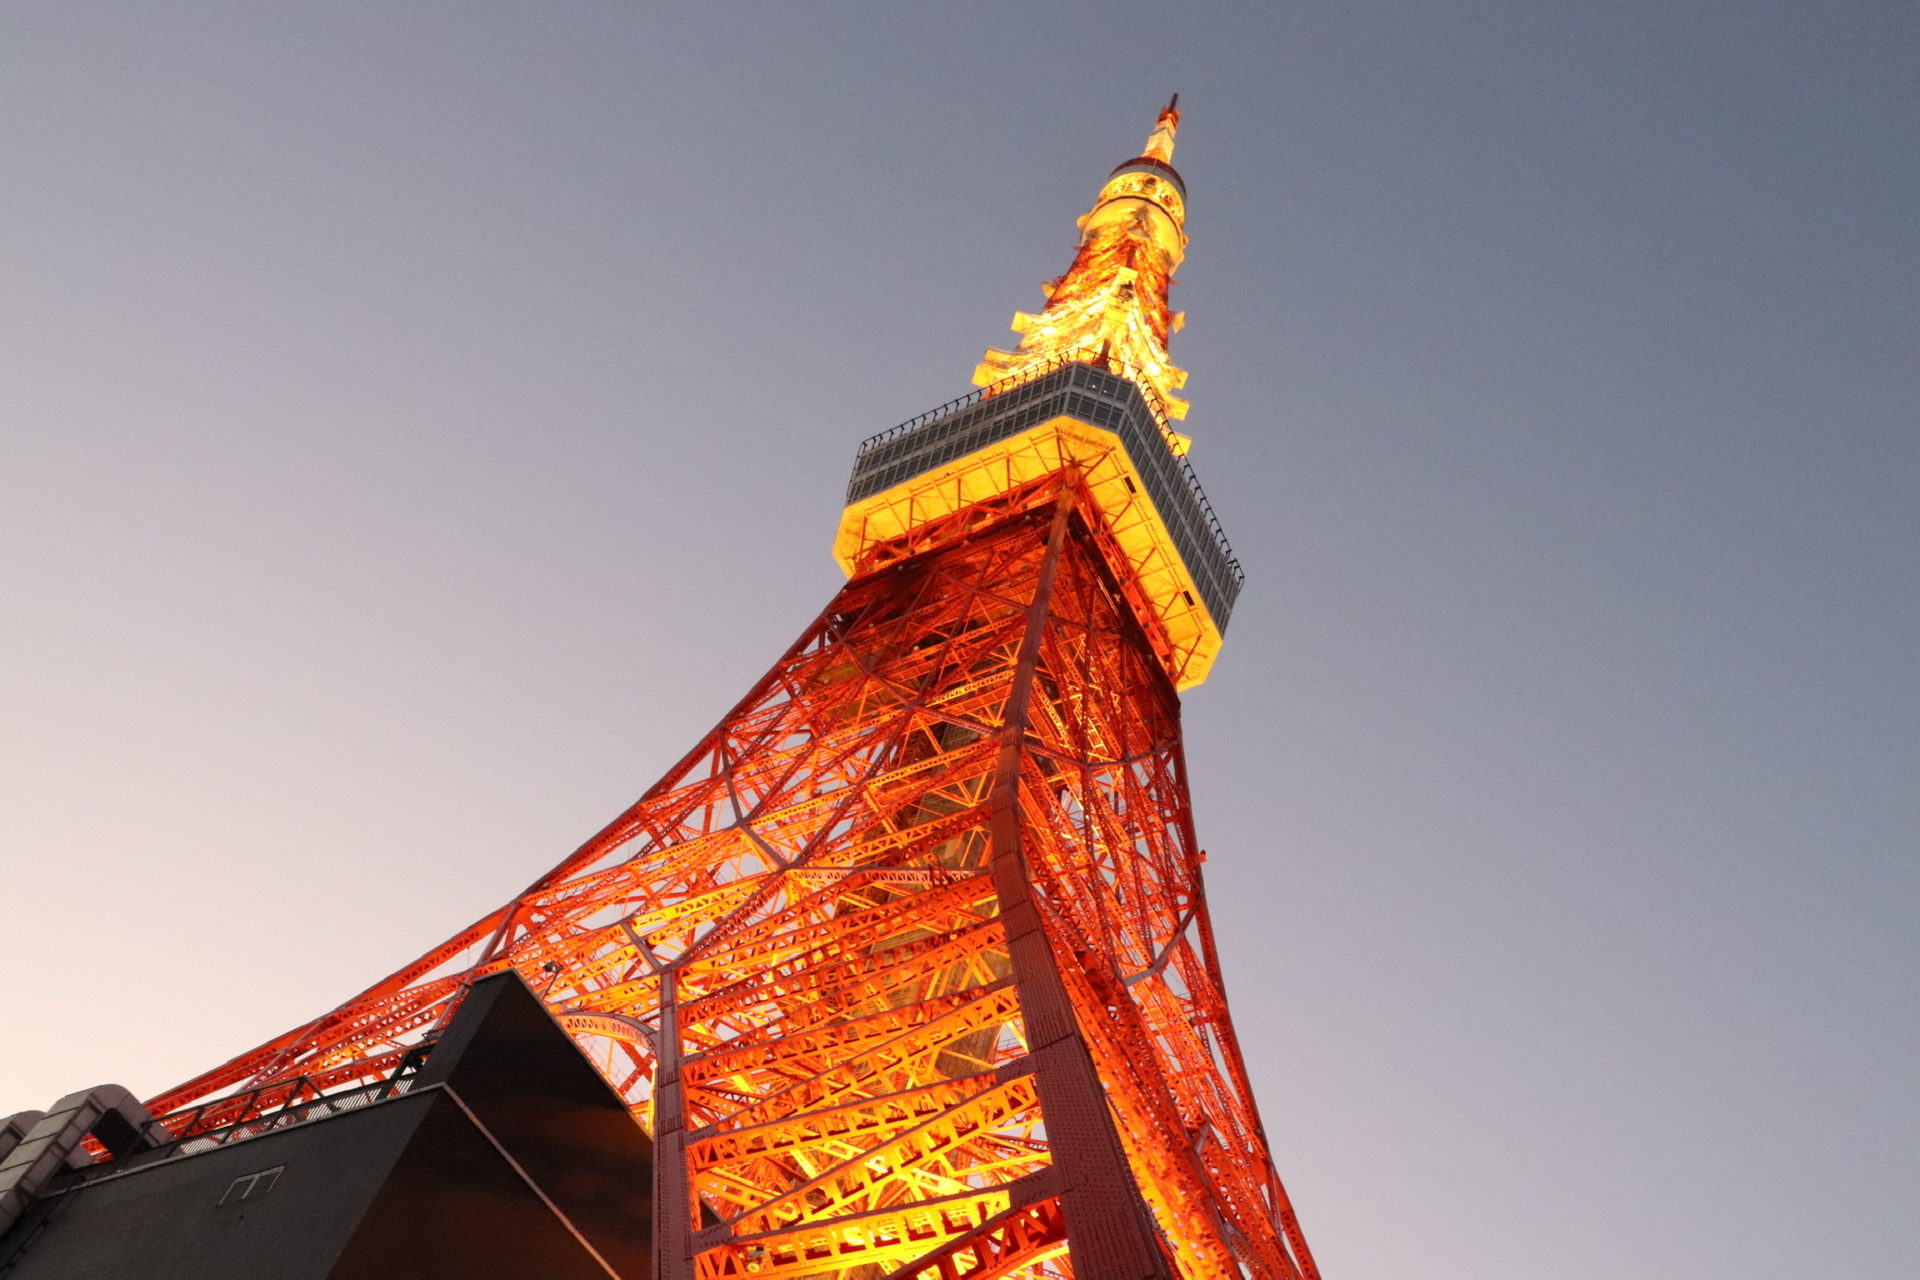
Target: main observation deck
(1183,578)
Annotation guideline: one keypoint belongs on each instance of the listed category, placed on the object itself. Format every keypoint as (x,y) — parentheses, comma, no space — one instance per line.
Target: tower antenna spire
(1160,145)
(1111,305)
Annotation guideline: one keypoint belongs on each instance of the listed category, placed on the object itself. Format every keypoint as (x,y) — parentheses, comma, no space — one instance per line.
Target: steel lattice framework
(907,965)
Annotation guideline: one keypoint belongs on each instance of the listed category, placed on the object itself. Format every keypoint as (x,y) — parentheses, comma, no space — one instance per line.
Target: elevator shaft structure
(907,966)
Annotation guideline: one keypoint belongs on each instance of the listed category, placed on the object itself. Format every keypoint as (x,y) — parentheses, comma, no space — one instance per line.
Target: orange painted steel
(816,885)
(907,966)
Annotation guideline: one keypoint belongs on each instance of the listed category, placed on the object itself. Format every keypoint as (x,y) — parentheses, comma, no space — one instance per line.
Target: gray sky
(423,421)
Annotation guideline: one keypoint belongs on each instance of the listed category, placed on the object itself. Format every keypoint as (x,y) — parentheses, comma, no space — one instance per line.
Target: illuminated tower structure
(907,966)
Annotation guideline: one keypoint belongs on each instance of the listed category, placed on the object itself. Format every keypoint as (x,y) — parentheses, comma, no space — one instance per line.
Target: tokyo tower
(907,967)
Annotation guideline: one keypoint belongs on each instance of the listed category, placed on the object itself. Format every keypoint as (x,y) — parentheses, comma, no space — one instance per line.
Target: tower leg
(672,1188)
(1107,1221)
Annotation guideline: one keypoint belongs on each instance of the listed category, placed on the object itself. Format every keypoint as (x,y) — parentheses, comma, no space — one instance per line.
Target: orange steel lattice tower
(907,966)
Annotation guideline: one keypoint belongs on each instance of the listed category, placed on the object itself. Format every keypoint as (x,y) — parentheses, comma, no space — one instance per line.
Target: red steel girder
(906,965)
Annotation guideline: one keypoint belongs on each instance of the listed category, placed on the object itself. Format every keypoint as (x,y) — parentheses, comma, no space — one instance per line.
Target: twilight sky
(422,421)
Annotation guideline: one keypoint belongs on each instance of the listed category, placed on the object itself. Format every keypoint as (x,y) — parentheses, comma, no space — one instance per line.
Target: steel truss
(907,966)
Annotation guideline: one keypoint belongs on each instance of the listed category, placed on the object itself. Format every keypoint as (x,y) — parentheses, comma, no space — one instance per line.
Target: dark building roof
(506,1156)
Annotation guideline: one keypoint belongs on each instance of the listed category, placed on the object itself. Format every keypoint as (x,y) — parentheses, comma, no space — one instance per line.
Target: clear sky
(422,421)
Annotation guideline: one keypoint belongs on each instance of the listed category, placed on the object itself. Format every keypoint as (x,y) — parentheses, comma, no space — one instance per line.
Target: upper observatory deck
(1175,564)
